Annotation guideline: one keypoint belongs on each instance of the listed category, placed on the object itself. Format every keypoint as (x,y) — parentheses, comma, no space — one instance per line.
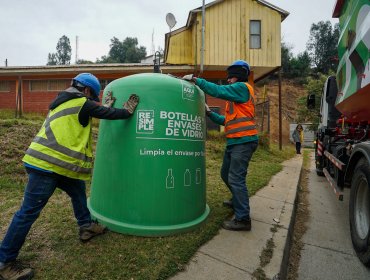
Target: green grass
(53,248)
(306,158)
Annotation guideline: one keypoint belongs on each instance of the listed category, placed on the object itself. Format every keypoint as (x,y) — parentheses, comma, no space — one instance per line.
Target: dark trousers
(233,173)
(298,147)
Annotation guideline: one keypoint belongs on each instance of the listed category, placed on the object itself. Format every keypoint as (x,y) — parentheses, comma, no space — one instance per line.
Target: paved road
(327,251)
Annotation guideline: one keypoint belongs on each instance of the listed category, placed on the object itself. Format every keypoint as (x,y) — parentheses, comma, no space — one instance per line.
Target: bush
(215,135)
(264,140)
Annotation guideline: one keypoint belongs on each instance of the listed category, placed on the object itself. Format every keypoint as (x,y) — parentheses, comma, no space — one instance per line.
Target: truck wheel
(359,211)
(319,165)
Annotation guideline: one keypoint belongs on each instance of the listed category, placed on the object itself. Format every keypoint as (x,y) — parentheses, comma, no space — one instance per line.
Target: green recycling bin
(149,173)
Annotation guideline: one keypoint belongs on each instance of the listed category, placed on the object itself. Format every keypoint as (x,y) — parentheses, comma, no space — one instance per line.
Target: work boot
(244,225)
(89,231)
(15,271)
(228,203)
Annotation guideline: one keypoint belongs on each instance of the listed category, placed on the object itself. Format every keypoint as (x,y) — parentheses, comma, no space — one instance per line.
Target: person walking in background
(241,137)
(60,156)
(298,137)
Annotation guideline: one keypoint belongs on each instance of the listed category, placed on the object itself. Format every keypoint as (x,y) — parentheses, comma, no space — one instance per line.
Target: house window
(57,85)
(255,34)
(38,85)
(4,86)
(48,85)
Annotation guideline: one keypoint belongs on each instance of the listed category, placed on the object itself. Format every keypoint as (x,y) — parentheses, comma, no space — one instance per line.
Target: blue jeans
(39,189)
(233,173)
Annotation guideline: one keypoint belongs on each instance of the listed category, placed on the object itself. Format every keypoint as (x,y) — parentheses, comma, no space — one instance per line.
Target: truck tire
(359,211)
(319,162)
(319,172)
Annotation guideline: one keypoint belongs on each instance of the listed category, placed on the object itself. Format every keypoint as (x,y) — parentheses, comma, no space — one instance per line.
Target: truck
(342,144)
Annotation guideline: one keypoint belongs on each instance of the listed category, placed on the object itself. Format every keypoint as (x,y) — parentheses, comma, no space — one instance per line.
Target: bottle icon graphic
(170,181)
(187,178)
(197,176)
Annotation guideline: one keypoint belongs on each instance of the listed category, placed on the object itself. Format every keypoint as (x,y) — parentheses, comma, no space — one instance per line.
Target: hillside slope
(290,92)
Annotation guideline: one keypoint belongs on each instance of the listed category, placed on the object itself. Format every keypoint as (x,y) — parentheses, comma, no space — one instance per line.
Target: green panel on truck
(353,73)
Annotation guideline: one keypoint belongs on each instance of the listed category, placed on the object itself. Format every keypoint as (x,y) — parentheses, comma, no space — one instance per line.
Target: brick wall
(33,101)
(36,101)
(7,99)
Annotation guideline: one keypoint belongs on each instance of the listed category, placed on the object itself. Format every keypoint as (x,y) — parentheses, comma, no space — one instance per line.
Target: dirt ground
(290,93)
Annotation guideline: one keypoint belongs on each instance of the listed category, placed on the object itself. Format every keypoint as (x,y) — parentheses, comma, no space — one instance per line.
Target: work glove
(189,78)
(208,111)
(131,104)
(109,100)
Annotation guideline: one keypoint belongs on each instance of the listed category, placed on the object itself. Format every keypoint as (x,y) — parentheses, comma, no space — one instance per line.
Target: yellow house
(233,29)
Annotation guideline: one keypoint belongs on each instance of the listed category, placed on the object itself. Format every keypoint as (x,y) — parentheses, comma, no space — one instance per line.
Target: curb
(285,261)
(285,192)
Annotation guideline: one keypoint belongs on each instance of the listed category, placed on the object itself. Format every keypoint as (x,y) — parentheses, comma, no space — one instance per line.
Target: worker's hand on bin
(109,100)
(208,111)
(189,78)
(131,104)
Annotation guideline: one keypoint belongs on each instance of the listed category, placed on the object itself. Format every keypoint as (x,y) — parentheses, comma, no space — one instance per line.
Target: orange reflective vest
(240,117)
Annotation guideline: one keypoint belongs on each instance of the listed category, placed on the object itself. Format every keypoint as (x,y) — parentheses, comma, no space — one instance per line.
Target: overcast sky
(30,29)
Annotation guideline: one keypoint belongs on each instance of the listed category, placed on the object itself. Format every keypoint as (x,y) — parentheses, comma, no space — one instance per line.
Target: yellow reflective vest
(63,145)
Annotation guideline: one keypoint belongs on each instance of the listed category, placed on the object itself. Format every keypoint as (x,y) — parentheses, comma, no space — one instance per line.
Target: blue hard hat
(240,63)
(89,80)
(239,69)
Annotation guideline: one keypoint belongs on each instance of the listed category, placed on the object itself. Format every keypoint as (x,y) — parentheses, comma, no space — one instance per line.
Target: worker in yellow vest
(60,156)
(241,137)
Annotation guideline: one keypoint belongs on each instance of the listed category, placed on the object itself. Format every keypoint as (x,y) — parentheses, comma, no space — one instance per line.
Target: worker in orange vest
(241,137)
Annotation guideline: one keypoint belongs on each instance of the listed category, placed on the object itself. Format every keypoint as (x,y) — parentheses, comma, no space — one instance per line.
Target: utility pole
(202,47)
(153,46)
(280,115)
(76,50)
(19,98)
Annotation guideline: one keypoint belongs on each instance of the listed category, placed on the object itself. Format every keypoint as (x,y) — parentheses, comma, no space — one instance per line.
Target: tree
(83,61)
(300,66)
(314,86)
(286,56)
(126,51)
(64,50)
(322,46)
(63,54)
(52,59)
(294,67)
